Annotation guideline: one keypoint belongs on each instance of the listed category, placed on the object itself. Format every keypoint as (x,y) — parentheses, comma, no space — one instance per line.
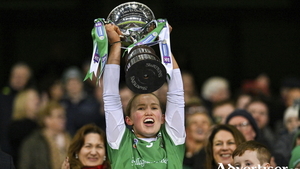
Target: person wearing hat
(245,123)
(81,107)
(290,119)
(286,142)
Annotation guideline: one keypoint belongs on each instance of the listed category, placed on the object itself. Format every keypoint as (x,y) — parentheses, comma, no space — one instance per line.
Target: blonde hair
(213,85)
(20,104)
(46,111)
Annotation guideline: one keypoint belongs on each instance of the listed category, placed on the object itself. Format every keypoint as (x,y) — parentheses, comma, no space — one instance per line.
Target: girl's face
(92,153)
(146,116)
(223,147)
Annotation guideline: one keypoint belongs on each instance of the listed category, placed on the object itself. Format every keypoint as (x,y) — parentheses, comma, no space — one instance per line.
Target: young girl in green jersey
(156,139)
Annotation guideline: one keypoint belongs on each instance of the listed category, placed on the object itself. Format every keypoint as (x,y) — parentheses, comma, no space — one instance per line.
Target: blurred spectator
(25,109)
(126,94)
(215,89)
(221,110)
(289,85)
(292,95)
(260,86)
(260,112)
(242,100)
(20,78)
(189,86)
(295,159)
(296,139)
(6,161)
(98,94)
(81,108)
(245,123)
(222,141)
(194,105)
(198,126)
(53,91)
(285,143)
(46,148)
(291,119)
(161,94)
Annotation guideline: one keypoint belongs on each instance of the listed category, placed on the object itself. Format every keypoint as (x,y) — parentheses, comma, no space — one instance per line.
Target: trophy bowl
(134,19)
(144,71)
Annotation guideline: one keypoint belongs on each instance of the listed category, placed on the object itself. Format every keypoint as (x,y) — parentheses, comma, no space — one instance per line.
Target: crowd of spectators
(257,113)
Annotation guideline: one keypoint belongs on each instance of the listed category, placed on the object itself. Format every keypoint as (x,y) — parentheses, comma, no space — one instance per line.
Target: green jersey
(136,153)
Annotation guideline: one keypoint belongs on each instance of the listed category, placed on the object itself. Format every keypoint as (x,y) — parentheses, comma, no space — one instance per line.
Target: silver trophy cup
(144,71)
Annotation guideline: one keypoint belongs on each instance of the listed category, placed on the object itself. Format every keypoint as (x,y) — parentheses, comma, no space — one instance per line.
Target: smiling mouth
(148,121)
(225,155)
(93,159)
(200,131)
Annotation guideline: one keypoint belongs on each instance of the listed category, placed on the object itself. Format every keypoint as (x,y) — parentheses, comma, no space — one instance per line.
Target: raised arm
(175,106)
(115,125)
(113,33)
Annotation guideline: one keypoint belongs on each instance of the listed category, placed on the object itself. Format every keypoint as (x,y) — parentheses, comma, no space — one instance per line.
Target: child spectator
(251,154)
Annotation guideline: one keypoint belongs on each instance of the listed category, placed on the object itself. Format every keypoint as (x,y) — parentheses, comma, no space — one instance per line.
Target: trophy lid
(130,15)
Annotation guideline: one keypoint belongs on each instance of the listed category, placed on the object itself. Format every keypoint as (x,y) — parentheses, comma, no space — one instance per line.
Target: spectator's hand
(66,164)
(113,33)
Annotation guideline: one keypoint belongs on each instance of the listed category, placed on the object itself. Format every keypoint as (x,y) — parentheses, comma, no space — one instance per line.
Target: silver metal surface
(134,19)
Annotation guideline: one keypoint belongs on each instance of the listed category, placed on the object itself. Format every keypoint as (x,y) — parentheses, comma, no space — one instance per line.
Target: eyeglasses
(242,125)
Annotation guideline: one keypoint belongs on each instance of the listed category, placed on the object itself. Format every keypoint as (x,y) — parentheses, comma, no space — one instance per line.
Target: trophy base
(145,76)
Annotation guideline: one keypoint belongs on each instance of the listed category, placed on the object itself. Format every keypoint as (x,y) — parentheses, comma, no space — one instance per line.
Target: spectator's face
(57,91)
(198,126)
(126,94)
(74,86)
(220,113)
(19,77)
(243,125)
(292,123)
(248,160)
(146,116)
(57,120)
(188,84)
(242,101)
(220,95)
(223,147)
(291,96)
(33,104)
(259,112)
(92,153)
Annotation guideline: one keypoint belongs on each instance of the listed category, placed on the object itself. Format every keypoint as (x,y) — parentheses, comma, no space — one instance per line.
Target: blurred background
(236,39)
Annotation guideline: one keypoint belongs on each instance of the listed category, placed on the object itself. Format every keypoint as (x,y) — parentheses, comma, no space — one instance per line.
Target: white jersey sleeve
(175,108)
(115,126)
